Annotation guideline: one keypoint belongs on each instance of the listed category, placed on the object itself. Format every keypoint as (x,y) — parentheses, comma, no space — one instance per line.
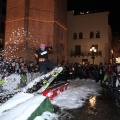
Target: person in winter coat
(42,56)
(101,72)
(109,72)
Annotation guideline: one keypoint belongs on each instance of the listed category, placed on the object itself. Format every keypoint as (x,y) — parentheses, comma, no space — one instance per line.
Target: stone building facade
(86,31)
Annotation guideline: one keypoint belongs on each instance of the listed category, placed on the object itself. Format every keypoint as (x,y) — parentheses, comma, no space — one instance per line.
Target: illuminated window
(84,61)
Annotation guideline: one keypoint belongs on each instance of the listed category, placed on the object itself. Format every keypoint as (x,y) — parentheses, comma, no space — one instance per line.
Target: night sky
(113,6)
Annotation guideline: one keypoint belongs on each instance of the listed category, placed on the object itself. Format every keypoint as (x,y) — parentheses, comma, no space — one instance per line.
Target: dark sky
(113,6)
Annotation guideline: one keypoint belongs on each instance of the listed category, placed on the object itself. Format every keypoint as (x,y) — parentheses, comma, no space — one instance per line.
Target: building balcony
(82,54)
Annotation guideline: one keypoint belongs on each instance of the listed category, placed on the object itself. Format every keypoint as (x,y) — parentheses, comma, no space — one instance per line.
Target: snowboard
(46,82)
(30,86)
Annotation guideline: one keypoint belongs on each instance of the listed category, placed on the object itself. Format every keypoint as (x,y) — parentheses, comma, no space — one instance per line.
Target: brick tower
(31,22)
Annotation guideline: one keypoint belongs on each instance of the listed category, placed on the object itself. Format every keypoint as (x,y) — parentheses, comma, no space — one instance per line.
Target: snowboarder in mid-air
(42,56)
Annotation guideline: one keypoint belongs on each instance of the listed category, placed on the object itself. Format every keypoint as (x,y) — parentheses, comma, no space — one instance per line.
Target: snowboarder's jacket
(42,55)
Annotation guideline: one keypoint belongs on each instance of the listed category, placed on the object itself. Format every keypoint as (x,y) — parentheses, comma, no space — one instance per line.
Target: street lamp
(93,51)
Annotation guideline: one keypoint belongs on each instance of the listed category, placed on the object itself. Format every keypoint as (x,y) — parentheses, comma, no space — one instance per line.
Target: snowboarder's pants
(44,65)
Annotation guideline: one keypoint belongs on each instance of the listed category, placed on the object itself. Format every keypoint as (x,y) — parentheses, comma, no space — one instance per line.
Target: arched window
(91,34)
(75,36)
(97,34)
(80,35)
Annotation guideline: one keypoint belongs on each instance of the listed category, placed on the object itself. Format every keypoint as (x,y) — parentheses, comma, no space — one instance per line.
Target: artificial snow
(74,97)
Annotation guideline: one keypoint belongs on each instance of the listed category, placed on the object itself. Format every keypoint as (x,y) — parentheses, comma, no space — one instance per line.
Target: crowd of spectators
(103,72)
(96,72)
(18,66)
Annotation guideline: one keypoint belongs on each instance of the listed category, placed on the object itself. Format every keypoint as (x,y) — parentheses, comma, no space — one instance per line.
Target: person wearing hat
(42,56)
